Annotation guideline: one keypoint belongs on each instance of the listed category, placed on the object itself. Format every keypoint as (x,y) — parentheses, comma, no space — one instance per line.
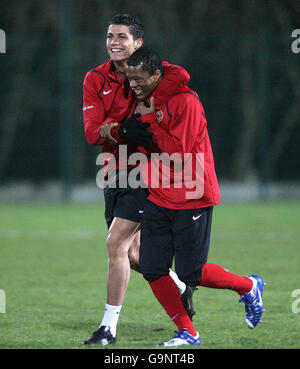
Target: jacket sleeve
(93,110)
(175,77)
(186,126)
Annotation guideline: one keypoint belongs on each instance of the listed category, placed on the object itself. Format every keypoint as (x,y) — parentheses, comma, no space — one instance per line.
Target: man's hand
(105,131)
(134,131)
(143,109)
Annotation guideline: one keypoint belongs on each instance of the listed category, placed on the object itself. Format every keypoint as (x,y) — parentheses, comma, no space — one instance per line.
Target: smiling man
(107,102)
(121,41)
(175,225)
(143,83)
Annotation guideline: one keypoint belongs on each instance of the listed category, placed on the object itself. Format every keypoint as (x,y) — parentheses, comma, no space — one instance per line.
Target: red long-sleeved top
(107,98)
(180,129)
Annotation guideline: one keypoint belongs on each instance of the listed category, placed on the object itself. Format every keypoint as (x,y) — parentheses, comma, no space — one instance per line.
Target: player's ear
(157,74)
(138,43)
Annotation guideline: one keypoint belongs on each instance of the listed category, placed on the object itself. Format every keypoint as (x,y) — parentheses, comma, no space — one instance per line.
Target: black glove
(134,131)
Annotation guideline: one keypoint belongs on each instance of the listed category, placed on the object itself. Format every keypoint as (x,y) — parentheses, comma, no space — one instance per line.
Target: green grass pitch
(53,266)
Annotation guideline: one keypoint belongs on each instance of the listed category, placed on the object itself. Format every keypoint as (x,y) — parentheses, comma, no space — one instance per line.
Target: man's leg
(249,288)
(129,206)
(193,227)
(192,267)
(120,237)
(156,257)
(123,244)
(134,253)
(215,276)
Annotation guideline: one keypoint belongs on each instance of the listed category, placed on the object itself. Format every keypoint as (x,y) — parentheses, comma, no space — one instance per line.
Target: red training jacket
(180,129)
(107,98)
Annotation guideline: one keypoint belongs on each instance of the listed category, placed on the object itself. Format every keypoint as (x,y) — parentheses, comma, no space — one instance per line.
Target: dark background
(238,54)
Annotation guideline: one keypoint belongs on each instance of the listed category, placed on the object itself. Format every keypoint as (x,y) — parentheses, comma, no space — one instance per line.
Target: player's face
(142,82)
(120,43)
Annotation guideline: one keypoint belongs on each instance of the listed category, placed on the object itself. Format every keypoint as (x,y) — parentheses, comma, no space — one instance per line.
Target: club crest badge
(159,115)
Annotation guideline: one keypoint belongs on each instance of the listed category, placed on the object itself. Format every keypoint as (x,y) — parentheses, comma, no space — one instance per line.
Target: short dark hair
(135,26)
(148,59)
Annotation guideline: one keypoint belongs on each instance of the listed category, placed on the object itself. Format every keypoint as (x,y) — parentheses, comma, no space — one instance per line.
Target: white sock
(181,285)
(111,317)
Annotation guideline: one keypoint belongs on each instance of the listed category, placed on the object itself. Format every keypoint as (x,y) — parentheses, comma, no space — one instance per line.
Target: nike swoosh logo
(196,217)
(107,92)
(259,302)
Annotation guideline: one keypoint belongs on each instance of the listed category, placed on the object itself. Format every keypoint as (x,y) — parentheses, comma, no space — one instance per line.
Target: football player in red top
(177,217)
(107,102)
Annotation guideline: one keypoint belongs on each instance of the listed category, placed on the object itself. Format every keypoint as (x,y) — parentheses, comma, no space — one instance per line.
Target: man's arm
(93,110)
(175,78)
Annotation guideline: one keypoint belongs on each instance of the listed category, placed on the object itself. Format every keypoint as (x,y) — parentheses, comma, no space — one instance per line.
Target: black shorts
(127,203)
(182,235)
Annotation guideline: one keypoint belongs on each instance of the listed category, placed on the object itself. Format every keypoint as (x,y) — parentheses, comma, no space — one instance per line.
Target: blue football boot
(254,302)
(182,338)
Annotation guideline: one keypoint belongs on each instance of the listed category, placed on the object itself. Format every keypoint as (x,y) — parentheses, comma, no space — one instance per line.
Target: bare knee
(116,246)
(120,237)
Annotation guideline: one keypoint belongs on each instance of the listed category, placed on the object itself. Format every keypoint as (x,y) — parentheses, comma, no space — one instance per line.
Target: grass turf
(53,266)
